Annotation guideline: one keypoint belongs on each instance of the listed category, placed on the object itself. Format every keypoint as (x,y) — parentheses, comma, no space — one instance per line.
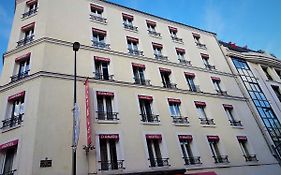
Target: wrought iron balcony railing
(251,157)
(235,123)
(175,38)
(160,57)
(98,18)
(107,116)
(192,160)
(185,62)
(207,121)
(100,45)
(25,41)
(211,67)
(170,85)
(130,27)
(180,120)
(12,122)
(150,118)
(142,81)
(221,159)
(12,172)
(135,52)
(19,76)
(154,33)
(201,46)
(100,76)
(159,162)
(30,12)
(111,165)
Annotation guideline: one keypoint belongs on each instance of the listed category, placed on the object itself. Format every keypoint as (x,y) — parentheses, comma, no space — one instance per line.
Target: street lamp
(76,46)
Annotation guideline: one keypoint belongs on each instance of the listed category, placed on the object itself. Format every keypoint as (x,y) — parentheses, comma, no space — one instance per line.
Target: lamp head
(76,46)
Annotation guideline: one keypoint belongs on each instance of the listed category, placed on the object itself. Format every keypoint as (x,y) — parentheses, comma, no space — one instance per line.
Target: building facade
(155,96)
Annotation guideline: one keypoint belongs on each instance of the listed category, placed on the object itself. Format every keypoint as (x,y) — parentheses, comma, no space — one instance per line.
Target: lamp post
(76,46)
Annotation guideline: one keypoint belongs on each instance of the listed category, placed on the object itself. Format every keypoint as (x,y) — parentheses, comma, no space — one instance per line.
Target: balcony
(170,85)
(201,46)
(142,81)
(100,76)
(12,172)
(110,165)
(26,40)
(221,159)
(100,45)
(161,57)
(130,27)
(159,162)
(98,18)
(235,123)
(221,92)
(176,39)
(211,67)
(150,118)
(180,120)
(251,158)
(195,88)
(135,52)
(30,12)
(185,62)
(154,33)
(12,122)
(207,121)
(19,76)
(107,116)
(192,161)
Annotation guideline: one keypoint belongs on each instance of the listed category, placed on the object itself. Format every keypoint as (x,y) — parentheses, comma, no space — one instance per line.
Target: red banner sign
(88,117)
(9,144)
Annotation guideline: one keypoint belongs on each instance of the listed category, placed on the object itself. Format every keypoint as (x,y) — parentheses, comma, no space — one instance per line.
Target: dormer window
(173,32)
(133,46)
(151,28)
(128,22)
(96,13)
(99,39)
(27,34)
(32,7)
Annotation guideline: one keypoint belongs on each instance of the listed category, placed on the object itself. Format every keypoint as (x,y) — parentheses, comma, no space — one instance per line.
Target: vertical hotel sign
(88,117)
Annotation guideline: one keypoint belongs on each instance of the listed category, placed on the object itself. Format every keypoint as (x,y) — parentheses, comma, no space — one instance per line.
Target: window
(190,82)
(15,111)
(7,155)
(205,59)
(214,146)
(243,142)
(278,72)
(21,67)
(185,143)
(165,76)
(108,152)
(276,89)
(32,7)
(151,26)
(265,70)
(99,39)
(157,48)
(154,151)
(27,34)
(96,13)
(133,46)
(128,22)
(138,70)
(181,56)
(200,106)
(198,43)
(217,84)
(229,112)
(147,115)
(105,108)
(173,32)
(174,105)
(102,68)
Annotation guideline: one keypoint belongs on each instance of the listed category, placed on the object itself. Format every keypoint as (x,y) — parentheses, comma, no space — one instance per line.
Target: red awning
(216,78)
(174,100)
(109,136)
(138,65)
(156,45)
(96,7)
(101,59)
(213,138)
(145,97)
(152,23)
(242,138)
(154,136)
(23,57)
(102,32)
(31,2)
(180,50)
(203,55)
(126,16)
(161,69)
(196,35)
(16,96)
(132,39)
(185,137)
(227,106)
(28,26)
(200,103)
(9,144)
(204,173)
(189,74)
(173,29)
(102,93)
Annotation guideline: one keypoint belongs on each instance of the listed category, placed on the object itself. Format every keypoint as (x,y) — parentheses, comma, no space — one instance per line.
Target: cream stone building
(161,97)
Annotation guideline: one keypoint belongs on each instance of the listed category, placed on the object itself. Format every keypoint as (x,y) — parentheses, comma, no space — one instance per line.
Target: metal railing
(13,121)
(110,116)
(98,18)
(12,172)
(221,159)
(159,162)
(30,12)
(192,160)
(154,33)
(201,46)
(170,85)
(207,121)
(175,38)
(160,57)
(100,76)
(130,27)
(208,66)
(180,120)
(111,165)
(135,52)
(19,76)
(235,123)
(150,118)
(183,61)
(251,157)
(101,45)
(25,41)
(142,81)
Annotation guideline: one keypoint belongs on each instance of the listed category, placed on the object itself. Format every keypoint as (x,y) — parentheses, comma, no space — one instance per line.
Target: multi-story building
(259,75)
(160,96)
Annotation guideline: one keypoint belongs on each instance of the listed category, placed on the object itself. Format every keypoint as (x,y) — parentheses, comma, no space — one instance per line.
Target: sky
(255,23)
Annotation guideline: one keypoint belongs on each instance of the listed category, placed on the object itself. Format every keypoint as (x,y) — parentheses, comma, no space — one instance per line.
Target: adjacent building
(155,96)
